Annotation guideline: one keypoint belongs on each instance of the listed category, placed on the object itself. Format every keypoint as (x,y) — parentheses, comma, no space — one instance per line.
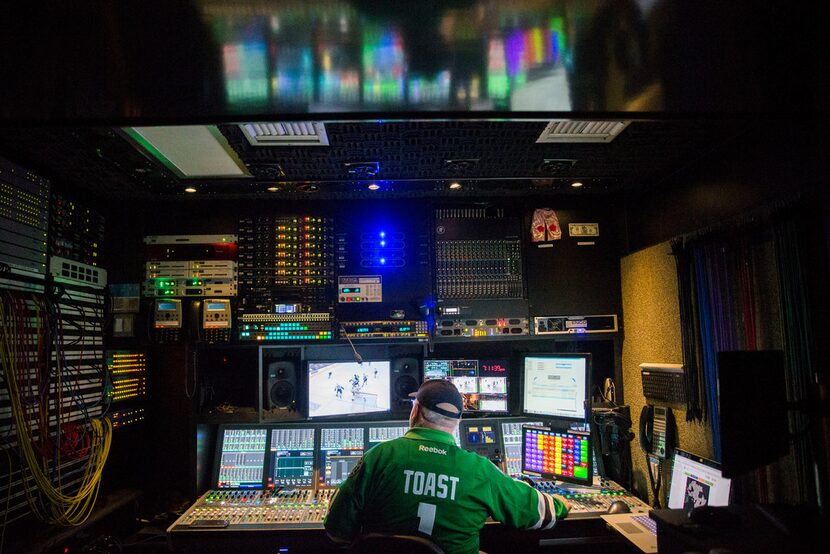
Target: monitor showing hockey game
(348,388)
(482,383)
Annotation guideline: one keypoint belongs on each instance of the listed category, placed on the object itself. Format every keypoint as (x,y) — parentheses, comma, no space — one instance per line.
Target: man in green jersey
(423,483)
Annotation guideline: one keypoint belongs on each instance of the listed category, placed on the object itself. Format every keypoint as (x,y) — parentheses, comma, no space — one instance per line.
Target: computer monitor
(291,458)
(557,385)
(341,448)
(696,482)
(482,383)
(348,388)
(557,454)
(241,458)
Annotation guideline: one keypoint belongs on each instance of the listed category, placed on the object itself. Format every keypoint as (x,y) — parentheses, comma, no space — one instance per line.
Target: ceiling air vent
(567,130)
(286,133)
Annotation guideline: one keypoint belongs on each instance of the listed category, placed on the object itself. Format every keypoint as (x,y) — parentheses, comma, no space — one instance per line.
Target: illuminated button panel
(555,453)
(359,288)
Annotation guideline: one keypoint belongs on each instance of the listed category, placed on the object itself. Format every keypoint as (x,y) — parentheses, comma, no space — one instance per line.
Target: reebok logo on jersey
(432,449)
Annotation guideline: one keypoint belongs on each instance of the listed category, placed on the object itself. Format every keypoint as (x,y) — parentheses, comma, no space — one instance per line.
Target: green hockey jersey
(422,482)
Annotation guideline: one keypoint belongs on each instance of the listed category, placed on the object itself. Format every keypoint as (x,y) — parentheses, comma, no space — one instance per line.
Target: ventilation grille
(289,133)
(67,271)
(567,130)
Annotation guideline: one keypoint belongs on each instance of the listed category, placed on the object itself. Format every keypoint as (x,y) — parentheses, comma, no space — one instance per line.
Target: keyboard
(649,523)
(665,384)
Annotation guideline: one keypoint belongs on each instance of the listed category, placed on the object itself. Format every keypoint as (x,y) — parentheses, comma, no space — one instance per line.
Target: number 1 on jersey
(426,513)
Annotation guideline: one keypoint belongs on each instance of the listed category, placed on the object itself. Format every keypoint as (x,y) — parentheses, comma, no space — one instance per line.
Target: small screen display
(481,435)
(511,436)
(563,455)
(292,458)
(166,306)
(345,388)
(216,306)
(379,435)
(493,405)
(242,458)
(340,451)
(696,482)
(482,384)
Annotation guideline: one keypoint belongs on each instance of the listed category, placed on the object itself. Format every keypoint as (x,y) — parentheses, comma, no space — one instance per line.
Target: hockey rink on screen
(333,390)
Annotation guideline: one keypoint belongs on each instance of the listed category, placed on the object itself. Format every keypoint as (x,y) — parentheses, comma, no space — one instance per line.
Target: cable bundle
(41,395)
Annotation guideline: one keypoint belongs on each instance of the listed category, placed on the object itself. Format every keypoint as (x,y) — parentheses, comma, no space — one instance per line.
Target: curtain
(743,288)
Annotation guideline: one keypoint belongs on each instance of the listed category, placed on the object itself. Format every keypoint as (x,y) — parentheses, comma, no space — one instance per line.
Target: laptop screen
(697,481)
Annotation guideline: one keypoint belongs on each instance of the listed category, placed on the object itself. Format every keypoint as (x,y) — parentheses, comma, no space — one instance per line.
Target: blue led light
(383,243)
(382,234)
(383,260)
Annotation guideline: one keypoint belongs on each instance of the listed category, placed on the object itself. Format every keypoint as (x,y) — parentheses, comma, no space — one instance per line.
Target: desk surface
(580,535)
(754,529)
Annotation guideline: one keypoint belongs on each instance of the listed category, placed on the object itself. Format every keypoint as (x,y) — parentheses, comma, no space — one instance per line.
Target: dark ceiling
(415,158)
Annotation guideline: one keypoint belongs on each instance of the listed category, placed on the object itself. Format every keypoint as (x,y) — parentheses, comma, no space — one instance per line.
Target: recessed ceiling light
(190,189)
(455,185)
(576,184)
(373,186)
(273,189)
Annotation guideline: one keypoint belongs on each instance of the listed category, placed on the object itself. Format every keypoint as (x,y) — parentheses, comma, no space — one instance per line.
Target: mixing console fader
(479,275)
(477,256)
(511,433)
(241,510)
(593,501)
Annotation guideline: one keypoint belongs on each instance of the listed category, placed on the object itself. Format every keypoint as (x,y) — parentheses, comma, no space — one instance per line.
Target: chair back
(392,543)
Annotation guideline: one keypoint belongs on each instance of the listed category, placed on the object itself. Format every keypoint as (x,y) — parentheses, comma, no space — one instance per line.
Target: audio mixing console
(306,508)
(279,481)
(239,509)
(593,501)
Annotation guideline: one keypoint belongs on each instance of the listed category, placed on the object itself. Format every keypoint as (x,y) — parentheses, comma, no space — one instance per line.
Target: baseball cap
(439,391)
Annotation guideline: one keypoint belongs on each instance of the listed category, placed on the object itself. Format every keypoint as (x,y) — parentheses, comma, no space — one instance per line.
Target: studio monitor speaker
(405,380)
(282,384)
(752,395)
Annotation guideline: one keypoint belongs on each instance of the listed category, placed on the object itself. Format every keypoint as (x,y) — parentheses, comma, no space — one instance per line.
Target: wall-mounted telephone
(657,439)
(216,320)
(167,320)
(657,430)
